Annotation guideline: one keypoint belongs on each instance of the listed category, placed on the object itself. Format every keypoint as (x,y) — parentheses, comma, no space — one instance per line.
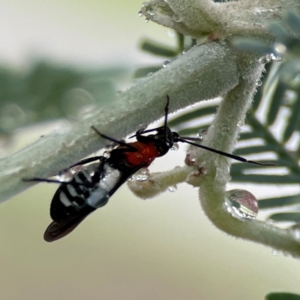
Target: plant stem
(204,72)
(212,187)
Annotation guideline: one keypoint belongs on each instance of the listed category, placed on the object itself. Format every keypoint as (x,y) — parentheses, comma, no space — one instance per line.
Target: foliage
(210,69)
(48,92)
(277,96)
(272,124)
(282,296)
(270,131)
(281,91)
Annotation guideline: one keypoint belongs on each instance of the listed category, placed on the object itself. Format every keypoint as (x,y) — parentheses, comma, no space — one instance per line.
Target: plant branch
(199,18)
(204,72)
(212,186)
(159,182)
(211,171)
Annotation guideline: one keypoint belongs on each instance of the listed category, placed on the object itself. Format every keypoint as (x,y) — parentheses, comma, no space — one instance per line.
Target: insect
(94,180)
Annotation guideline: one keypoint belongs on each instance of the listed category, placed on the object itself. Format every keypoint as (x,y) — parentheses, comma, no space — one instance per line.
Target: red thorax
(144,156)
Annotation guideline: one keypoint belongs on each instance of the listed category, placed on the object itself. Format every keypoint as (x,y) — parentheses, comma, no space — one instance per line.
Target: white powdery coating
(187,80)
(202,17)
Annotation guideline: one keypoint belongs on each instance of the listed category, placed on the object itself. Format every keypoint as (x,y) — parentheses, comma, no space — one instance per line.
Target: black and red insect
(92,184)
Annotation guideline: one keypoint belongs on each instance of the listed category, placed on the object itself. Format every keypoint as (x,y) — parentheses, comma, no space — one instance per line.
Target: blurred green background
(164,248)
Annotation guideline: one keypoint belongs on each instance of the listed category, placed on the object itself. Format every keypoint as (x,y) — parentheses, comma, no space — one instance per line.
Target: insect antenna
(235,157)
(166,116)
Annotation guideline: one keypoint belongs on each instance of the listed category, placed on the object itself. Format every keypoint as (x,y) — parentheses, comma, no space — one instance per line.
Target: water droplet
(241,204)
(202,133)
(269,57)
(65,175)
(175,147)
(171,33)
(240,123)
(275,252)
(280,48)
(258,82)
(150,12)
(183,52)
(264,59)
(273,57)
(190,159)
(172,188)
(278,58)
(141,175)
(200,136)
(295,231)
(166,63)
(147,20)
(131,179)
(106,154)
(140,14)
(224,129)
(176,18)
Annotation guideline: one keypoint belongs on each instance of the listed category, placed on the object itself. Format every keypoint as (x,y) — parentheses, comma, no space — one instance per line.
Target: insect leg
(112,139)
(38,179)
(43,180)
(166,117)
(142,131)
(88,160)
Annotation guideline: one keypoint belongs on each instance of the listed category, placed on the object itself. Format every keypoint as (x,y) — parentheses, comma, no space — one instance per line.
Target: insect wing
(67,218)
(57,230)
(68,212)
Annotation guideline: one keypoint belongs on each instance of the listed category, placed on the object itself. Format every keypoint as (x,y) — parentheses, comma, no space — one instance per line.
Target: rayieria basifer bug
(90,185)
